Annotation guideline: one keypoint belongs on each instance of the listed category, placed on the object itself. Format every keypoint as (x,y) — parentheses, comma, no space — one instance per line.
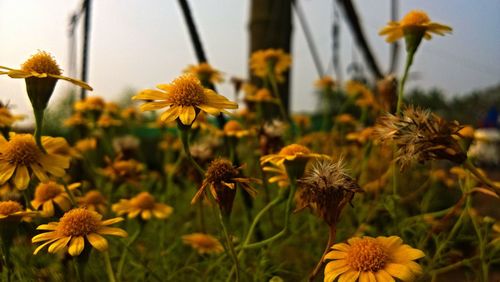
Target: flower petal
(97,241)
(112,231)
(76,246)
(22,178)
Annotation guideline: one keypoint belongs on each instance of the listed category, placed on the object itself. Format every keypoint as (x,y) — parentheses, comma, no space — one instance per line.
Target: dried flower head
(420,135)
(221,179)
(326,188)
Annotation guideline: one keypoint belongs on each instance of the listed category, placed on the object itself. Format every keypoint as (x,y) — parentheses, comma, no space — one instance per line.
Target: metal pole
(85,49)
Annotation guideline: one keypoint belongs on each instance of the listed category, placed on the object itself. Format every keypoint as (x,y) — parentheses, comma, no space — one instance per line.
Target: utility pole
(85,48)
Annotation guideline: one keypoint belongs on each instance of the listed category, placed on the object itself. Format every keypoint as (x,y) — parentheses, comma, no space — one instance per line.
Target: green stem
(5,248)
(223,222)
(286,222)
(185,144)
(274,86)
(331,239)
(38,129)
(409,61)
(109,267)
(78,273)
(123,257)
(468,165)
(70,194)
(482,245)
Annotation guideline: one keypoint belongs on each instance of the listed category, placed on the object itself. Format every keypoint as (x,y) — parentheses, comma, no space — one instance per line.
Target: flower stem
(185,144)
(109,267)
(223,222)
(38,129)
(469,166)
(331,239)
(409,61)
(70,194)
(123,257)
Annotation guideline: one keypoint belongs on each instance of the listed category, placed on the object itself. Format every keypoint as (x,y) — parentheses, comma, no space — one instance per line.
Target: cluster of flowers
(304,162)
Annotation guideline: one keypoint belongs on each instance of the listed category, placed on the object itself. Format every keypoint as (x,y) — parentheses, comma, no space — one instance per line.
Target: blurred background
(134,45)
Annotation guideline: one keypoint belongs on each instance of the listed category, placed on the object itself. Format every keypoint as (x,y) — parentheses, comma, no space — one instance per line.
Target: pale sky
(138,44)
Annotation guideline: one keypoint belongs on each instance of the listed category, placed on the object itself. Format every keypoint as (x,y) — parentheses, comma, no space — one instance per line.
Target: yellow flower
(205,73)
(303,121)
(233,128)
(467,132)
(94,201)
(415,21)
(373,259)
(94,104)
(41,65)
(261,95)
(49,193)
(20,154)
(106,120)
(186,97)
(87,144)
(326,83)
(12,211)
(203,243)
(123,170)
(289,153)
(264,63)
(74,228)
(76,119)
(345,119)
(143,204)
(280,177)
(6,117)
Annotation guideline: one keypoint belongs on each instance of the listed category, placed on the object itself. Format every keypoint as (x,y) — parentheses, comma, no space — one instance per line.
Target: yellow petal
(151,106)
(405,253)
(43,236)
(336,255)
(150,94)
(22,178)
(331,272)
(350,276)
(112,221)
(170,114)
(367,277)
(48,208)
(43,245)
(399,271)
(74,81)
(76,246)
(59,245)
(6,171)
(112,231)
(187,115)
(97,241)
(383,276)
(146,214)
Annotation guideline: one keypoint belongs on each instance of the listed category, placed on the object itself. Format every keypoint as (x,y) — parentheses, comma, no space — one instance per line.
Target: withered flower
(326,188)
(421,135)
(221,178)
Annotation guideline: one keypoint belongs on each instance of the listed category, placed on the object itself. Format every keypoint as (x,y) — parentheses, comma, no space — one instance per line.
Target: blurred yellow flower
(74,228)
(291,152)
(6,117)
(12,211)
(145,205)
(94,104)
(20,155)
(203,243)
(205,73)
(415,21)
(325,83)
(185,97)
(49,193)
(373,259)
(93,200)
(87,144)
(270,62)
(233,128)
(106,120)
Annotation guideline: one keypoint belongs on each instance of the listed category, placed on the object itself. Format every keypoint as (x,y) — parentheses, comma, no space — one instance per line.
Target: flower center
(186,90)
(367,255)
(415,18)
(294,149)
(78,222)
(22,150)
(232,126)
(48,191)
(143,201)
(10,207)
(221,170)
(41,62)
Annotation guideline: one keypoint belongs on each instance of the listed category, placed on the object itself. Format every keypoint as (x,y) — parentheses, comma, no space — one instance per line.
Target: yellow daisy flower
(205,73)
(143,204)
(233,128)
(325,83)
(280,176)
(186,97)
(12,211)
(415,21)
(372,259)
(90,104)
(106,120)
(20,155)
(74,228)
(203,243)
(41,65)
(49,193)
(94,201)
(85,145)
(270,62)
(120,171)
(290,153)
(7,118)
